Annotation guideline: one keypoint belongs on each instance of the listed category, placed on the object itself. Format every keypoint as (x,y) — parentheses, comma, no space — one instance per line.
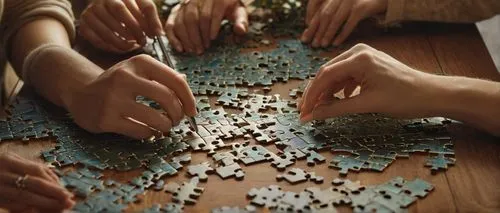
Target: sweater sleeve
(17,13)
(441,10)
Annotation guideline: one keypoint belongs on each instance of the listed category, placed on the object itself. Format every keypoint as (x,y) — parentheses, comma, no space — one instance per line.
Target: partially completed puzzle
(361,142)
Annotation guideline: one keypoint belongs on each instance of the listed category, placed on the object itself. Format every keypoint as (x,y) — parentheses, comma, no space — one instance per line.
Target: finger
(326,15)
(308,34)
(345,55)
(169,28)
(111,22)
(217,16)
(335,108)
(120,11)
(327,78)
(349,26)
(182,33)
(53,175)
(128,127)
(148,116)
(47,189)
(27,167)
(312,7)
(191,19)
(154,70)
(35,200)
(138,16)
(205,20)
(95,40)
(107,34)
(148,9)
(338,19)
(240,19)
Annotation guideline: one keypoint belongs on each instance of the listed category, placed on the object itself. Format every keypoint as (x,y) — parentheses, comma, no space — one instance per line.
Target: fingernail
(324,43)
(336,42)
(159,31)
(306,118)
(303,38)
(315,43)
(178,48)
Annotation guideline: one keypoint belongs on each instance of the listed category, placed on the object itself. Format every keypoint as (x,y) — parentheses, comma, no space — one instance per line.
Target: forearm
(56,72)
(441,10)
(473,101)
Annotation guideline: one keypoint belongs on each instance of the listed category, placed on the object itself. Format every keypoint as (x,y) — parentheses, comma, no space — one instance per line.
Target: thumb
(240,20)
(335,108)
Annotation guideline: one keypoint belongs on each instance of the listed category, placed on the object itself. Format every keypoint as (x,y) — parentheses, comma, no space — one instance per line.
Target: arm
(392,88)
(441,10)
(472,101)
(97,100)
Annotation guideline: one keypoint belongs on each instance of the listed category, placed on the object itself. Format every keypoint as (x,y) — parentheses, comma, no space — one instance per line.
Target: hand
(327,18)
(191,26)
(387,86)
(120,25)
(42,190)
(108,103)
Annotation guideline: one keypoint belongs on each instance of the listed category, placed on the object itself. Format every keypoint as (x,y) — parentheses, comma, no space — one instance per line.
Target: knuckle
(321,71)
(118,75)
(360,47)
(140,58)
(365,56)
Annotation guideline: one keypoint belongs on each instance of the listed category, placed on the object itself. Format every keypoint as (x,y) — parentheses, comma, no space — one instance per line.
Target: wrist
(460,97)
(58,73)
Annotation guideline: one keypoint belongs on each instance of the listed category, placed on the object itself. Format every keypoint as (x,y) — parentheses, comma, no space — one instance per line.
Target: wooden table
(470,186)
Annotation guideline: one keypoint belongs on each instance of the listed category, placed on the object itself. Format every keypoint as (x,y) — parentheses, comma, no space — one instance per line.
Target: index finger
(327,78)
(148,8)
(312,5)
(161,73)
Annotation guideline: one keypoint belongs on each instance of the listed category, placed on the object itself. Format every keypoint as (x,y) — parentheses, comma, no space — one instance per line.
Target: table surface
(469,186)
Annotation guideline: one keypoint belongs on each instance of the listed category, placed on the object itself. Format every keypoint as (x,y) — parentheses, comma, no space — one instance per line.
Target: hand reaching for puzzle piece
(193,24)
(27,186)
(108,103)
(387,86)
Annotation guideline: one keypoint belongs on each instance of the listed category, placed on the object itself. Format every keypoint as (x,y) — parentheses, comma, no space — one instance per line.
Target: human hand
(387,86)
(120,25)
(39,190)
(108,103)
(192,25)
(329,19)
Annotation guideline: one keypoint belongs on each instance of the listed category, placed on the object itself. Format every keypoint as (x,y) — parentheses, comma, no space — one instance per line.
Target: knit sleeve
(17,13)
(441,10)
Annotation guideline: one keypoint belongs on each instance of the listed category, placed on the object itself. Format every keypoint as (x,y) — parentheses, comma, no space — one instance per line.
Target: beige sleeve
(20,12)
(441,10)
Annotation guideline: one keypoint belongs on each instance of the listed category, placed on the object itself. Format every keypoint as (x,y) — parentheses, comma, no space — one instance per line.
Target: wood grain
(470,186)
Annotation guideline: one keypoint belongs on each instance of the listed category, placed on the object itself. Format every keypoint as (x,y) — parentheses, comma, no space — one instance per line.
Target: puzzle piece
(439,162)
(266,196)
(201,170)
(232,170)
(186,193)
(297,175)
